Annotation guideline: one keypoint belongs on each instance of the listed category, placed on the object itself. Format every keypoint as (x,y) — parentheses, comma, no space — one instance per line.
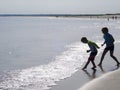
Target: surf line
(44,76)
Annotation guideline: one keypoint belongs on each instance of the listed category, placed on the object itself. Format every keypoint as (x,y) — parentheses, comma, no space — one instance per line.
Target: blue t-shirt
(109,40)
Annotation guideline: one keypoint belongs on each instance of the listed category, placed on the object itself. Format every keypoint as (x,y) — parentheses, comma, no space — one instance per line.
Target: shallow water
(35,52)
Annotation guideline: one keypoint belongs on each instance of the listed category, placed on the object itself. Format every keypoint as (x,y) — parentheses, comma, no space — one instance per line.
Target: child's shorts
(111,48)
(92,55)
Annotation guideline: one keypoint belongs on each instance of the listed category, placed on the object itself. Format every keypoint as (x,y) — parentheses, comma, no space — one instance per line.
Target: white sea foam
(41,77)
(44,76)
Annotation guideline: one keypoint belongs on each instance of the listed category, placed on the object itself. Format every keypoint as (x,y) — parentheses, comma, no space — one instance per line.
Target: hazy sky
(59,6)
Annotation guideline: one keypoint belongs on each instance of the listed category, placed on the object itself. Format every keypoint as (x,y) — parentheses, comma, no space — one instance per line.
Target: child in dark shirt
(109,41)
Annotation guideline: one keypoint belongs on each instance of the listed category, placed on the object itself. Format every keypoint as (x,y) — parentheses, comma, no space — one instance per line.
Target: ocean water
(36,52)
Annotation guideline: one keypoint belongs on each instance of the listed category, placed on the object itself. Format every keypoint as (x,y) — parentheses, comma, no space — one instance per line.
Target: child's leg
(111,54)
(94,66)
(92,61)
(103,55)
(86,64)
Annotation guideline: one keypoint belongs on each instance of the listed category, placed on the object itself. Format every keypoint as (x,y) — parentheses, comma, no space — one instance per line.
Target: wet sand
(81,77)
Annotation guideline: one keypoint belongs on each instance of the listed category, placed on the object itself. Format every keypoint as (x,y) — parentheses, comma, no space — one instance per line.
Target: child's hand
(88,51)
(102,44)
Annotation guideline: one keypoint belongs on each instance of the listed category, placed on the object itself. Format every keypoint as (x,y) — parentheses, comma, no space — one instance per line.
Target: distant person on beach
(93,49)
(109,41)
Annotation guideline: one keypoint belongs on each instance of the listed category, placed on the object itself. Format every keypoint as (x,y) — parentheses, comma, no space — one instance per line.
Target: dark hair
(83,39)
(105,30)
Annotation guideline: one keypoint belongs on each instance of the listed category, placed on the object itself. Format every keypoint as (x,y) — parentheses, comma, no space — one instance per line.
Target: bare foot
(84,68)
(99,64)
(93,67)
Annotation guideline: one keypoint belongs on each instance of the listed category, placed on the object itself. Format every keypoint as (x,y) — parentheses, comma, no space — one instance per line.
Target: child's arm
(103,44)
(96,45)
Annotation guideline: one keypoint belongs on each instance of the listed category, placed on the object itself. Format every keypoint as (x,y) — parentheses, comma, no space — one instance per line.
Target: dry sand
(109,81)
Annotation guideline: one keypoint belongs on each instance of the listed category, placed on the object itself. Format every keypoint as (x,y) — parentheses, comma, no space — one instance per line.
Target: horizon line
(58,15)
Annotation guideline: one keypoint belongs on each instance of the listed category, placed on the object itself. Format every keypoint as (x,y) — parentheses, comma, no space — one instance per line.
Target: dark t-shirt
(109,40)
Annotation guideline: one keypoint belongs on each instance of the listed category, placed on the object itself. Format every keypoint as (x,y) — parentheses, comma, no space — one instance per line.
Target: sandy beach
(94,77)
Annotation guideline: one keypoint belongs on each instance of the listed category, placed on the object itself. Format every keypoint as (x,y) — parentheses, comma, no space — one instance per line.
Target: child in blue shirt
(109,41)
(93,48)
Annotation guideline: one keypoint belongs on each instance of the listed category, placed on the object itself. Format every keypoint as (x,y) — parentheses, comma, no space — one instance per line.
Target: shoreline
(83,77)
